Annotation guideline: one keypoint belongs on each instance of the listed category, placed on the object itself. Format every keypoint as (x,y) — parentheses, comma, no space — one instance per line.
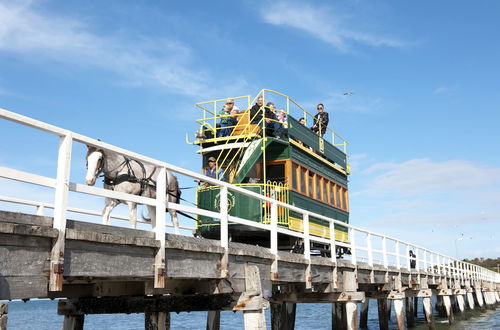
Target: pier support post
(449,311)
(283,316)
(440,306)
(400,313)
(489,300)
(73,322)
(461,306)
(383,315)
(156,321)
(363,320)
(351,315)
(479,298)
(4,309)
(415,307)
(470,300)
(254,319)
(429,317)
(410,311)
(213,320)
(339,314)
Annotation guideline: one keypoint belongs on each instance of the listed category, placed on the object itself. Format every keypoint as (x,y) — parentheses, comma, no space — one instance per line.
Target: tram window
(303,178)
(325,190)
(295,174)
(339,193)
(275,172)
(318,187)
(311,184)
(332,193)
(346,200)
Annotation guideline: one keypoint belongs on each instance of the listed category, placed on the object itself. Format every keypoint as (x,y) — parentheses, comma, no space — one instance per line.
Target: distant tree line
(487,263)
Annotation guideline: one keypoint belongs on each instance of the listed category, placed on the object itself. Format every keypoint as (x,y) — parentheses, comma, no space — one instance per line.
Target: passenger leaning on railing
(320,120)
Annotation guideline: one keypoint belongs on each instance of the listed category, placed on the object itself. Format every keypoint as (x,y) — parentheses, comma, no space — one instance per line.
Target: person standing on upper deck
(320,120)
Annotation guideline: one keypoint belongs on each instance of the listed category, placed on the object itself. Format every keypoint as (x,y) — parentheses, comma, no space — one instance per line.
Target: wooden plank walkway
(111,269)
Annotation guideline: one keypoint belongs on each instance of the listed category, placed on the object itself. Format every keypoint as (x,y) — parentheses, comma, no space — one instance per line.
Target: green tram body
(304,170)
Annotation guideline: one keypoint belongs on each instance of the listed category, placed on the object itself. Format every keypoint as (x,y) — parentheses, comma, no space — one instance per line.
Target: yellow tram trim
(297,224)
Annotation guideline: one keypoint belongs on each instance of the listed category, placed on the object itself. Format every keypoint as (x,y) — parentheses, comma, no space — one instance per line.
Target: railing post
(224,230)
(424,252)
(384,251)
(159,228)
(333,248)
(307,245)
(60,209)
(352,237)
(215,120)
(369,248)
(274,240)
(40,209)
(408,256)
(398,256)
(307,250)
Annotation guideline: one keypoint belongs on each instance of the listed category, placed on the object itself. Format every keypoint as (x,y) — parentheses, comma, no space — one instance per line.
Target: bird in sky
(348,93)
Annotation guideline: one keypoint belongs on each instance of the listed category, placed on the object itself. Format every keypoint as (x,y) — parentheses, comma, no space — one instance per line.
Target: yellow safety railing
(276,190)
(280,192)
(297,111)
(246,132)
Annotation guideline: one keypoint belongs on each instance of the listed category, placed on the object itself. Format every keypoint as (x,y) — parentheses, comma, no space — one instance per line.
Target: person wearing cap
(211,171)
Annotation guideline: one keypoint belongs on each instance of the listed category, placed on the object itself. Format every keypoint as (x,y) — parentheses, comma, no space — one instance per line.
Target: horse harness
(145,181)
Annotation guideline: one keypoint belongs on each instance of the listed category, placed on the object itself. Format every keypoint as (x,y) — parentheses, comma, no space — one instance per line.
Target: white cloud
(324,24)
(28,32)
(444,90)
(423,176)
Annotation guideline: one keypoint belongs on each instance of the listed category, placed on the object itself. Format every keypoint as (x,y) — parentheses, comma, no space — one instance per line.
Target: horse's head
(95,162)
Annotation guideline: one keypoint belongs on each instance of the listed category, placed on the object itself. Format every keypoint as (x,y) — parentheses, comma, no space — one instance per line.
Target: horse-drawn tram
(274,147)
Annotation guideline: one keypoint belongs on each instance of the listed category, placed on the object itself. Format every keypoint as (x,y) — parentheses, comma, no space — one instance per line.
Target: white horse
(126,175)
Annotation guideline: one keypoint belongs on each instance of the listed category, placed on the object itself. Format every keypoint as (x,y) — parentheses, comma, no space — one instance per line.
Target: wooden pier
(111,270)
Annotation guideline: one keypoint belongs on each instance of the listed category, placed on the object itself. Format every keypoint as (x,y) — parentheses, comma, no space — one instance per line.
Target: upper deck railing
(365,246)
(282,102)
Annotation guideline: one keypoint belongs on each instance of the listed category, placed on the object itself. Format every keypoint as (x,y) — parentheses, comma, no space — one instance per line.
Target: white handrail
(41,206)
(436,262)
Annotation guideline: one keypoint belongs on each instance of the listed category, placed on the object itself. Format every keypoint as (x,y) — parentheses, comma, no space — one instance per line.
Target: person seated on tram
(281,130)
(232,106)
(256,111)
(320,120)
(272,124)
(225,129)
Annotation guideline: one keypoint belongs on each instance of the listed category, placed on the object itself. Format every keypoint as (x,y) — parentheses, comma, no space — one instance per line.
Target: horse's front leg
(175,221)
(132,207)
(109,205)
(152,215)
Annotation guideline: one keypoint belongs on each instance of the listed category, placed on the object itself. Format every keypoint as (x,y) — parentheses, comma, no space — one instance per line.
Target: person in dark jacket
(320,120)
(256,111)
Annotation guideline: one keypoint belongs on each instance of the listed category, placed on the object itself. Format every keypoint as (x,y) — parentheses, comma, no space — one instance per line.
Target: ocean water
(42,314)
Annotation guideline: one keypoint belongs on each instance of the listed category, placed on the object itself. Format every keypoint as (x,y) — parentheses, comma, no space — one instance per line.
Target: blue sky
(422,121)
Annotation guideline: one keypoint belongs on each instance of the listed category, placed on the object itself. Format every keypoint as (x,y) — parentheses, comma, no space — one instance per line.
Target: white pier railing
(365,246)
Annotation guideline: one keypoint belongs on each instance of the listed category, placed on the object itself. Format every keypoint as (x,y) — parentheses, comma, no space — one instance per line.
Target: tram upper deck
(329,150)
